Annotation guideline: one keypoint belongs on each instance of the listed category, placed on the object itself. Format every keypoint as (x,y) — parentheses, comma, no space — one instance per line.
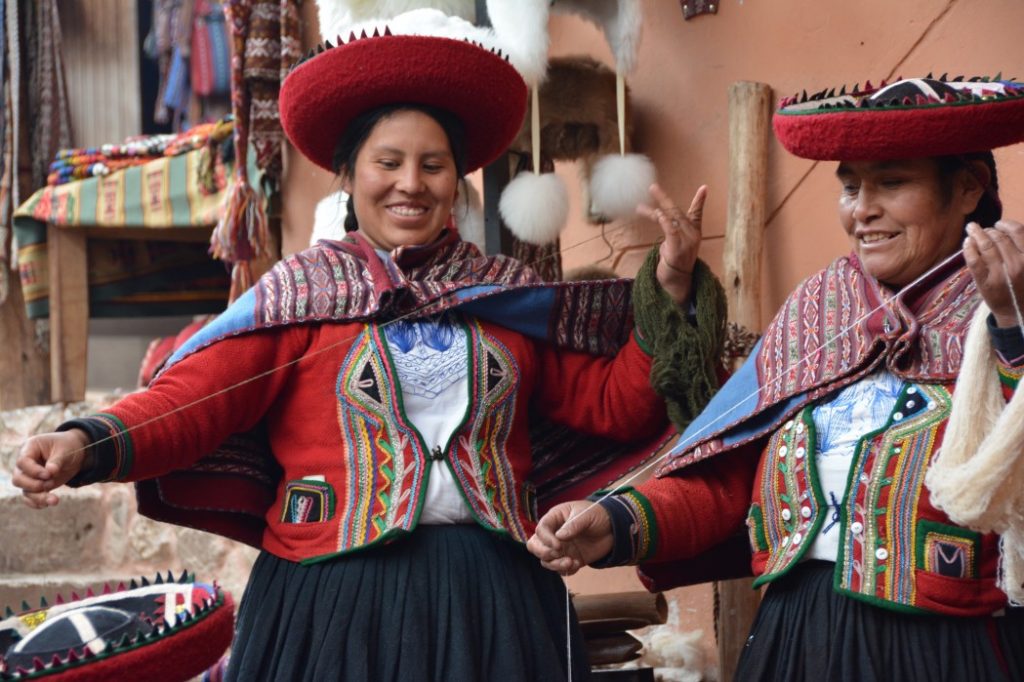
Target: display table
(132,243)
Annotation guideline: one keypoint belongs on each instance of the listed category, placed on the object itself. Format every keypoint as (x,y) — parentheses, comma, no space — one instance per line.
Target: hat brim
(854,132)
(322,95)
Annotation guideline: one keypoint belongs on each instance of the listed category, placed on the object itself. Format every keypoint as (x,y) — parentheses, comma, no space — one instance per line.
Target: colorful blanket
(131,277)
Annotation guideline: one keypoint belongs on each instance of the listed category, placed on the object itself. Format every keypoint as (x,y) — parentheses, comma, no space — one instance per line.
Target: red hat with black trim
(167,630)
(335,83)
(911,118)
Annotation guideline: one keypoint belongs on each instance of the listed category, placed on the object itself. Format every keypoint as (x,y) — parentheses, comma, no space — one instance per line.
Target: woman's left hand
(679,249)
(995,257)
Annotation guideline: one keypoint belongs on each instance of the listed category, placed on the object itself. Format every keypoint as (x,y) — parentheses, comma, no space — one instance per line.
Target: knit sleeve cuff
(685,342)
(634,530)
(1008,344)
(109,454)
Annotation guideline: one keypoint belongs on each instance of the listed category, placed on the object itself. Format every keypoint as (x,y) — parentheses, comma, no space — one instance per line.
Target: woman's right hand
(47,462)
(572,535)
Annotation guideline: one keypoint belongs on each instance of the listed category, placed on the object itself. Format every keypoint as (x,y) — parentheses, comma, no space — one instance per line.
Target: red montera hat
(913,118)
(334,84)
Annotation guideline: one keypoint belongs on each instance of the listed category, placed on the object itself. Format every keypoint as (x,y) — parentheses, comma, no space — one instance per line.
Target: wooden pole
(652,609)
(750,108)
(69,313)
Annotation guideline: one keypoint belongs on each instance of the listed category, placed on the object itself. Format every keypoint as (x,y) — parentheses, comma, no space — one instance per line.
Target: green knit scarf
(687,353)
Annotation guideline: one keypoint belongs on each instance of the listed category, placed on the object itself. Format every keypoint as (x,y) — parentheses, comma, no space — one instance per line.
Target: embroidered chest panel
(880,515)
(791,511)
(385,462)
(882,537)
(480,459)
(387,459)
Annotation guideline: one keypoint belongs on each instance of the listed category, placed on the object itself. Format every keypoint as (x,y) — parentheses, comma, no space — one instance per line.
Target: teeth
(407,210)
(872,238)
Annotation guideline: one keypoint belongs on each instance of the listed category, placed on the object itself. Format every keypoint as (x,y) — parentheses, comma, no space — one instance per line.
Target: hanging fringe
(242,233)
(241,279)
(977,476)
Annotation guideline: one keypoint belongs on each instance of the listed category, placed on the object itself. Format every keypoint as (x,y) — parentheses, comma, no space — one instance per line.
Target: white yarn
(977,477)
(619,183)
(535,207)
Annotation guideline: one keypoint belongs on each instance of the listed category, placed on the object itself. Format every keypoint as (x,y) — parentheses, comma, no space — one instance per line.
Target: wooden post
(750,108)
(24,362)
(69,313)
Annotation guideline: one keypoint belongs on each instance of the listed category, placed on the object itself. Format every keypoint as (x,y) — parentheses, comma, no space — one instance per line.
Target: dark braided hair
(990,207)
(357,132)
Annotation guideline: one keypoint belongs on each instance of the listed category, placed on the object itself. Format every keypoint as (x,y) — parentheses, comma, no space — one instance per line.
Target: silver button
(800,452)
(896,449)
(931,406)
(783,450)
(864,478)
(805,512)
(898,416)
(881,554)
(857,527)
(797,538)
(788,425)
(800,427)
(912,390)
(786,515)
(911,403)
(785,540)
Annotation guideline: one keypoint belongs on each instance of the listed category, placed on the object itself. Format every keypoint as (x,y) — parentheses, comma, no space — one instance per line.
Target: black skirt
(445,603)
(805,630)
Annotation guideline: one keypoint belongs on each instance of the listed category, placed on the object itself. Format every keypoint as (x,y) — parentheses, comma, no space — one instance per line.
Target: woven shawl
(837,326)
(346,282)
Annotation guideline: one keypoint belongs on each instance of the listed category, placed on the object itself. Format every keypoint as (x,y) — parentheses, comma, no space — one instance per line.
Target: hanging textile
(265,42)
(47,90)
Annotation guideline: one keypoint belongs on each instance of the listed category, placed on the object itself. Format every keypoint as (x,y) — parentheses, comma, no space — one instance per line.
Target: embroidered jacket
(896,550)
(314,380)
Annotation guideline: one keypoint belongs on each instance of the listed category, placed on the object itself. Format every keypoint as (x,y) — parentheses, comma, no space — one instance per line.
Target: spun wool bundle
(977,477)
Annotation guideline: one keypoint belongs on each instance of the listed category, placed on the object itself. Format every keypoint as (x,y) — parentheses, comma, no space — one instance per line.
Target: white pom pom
(619,183)
(535,207)
(329,218)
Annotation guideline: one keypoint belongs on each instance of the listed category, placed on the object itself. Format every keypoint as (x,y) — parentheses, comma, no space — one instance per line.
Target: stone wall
(95,534)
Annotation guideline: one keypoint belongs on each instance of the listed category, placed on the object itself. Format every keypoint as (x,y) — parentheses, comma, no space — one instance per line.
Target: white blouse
(856,410)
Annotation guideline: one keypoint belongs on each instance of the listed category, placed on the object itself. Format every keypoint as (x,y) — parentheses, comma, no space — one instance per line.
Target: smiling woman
(371,413)
(902,216)
(404,180)
(819,446)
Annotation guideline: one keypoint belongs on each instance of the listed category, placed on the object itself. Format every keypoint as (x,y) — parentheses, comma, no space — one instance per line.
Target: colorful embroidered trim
(642,534)
(307,501)
(1009,376)
(120,444)
(879,542)
(791,515)
(947,550)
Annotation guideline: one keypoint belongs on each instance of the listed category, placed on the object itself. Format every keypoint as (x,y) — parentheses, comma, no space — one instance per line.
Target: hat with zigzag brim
(335,83)
(911,118)
(168,630)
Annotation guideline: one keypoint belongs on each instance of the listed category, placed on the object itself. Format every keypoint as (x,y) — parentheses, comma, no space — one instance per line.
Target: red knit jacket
(350,457)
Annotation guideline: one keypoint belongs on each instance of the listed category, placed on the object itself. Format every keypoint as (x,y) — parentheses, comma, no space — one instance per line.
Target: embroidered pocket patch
(307,501)
(949,551)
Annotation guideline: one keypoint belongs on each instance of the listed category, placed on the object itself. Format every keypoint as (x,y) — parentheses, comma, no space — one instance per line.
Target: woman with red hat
(824,444)
(376,413)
